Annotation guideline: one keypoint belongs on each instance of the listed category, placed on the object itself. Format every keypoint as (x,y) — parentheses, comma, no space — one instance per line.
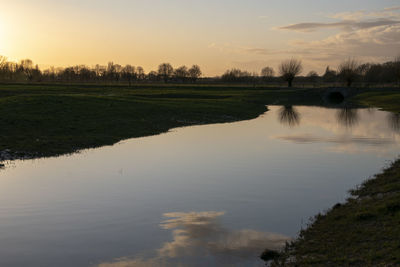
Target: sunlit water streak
(202,195)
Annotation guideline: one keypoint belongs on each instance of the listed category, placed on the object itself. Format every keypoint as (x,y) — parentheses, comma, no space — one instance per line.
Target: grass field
(48,120)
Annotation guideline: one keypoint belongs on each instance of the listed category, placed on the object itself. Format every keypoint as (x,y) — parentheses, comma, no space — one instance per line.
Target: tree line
(26,71)
(348,72)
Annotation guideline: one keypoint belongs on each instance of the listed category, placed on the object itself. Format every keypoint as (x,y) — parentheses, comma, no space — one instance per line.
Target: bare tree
(349,70)
(26,67)
(140,73)
(3,67)
(128,73)
(152,76)
(3,61)
(181,73)
(289,69)
(165,70)
(194,73)
(267,73)
(236,75)
(397,68)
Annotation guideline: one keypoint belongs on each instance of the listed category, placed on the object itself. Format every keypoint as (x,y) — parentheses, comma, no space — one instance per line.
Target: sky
(215,34)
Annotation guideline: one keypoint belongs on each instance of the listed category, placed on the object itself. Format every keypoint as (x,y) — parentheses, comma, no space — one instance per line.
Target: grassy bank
(364,231)
(387,100)
(48,120)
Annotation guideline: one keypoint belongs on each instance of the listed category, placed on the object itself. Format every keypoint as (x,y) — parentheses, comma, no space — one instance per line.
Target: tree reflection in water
(348,117)
(289,116)
(394,121)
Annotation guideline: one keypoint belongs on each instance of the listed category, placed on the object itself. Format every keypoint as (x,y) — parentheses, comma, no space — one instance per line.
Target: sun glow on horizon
(211,34)
(2,37)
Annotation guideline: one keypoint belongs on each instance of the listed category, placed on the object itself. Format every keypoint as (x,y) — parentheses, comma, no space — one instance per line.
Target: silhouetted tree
(165,71)
(374,73)
(397,68)
(141,75)
(267,73)
(3,61)
(237,75)
(3,67)
(181,73)
(194,73)
(289,69)
(152,76)
(111,73)
(349,70)
(128,73)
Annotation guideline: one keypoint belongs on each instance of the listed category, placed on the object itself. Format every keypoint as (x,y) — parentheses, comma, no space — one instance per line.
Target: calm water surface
(196,196)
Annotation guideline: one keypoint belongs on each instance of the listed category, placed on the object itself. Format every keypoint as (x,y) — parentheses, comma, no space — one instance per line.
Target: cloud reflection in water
(199,239)
(337,139)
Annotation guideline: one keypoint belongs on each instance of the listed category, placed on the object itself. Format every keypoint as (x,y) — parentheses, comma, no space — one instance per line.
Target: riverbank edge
(363,231)
(55,120)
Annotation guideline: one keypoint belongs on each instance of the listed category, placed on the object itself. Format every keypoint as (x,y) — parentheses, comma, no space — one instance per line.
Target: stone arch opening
(336,97)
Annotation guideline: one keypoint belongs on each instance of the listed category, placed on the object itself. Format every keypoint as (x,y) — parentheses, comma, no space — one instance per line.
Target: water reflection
(306,138)
(95,213)
(348,117)
(394,121)
(199,239)
(289,115)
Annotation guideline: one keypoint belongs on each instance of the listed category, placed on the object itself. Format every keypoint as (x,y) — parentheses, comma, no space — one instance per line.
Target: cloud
(260,51)
(346,25)
(388,13)
(392,8)
(369,36)
(199,238)
(375,43)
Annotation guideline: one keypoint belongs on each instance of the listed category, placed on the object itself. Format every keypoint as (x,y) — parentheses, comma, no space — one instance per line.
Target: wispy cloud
(368,35)
(392,8)
(346,25)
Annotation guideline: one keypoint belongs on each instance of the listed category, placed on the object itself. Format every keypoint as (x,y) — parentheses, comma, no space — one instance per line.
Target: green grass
(365,231)
(388,100)
(48,120)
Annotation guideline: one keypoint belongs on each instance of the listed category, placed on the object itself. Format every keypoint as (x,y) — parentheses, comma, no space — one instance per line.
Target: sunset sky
(215,34)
